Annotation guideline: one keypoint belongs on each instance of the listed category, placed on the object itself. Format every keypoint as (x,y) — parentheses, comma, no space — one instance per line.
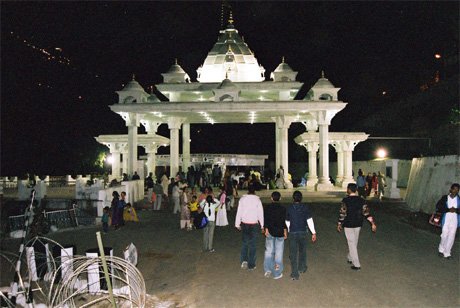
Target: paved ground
(400,265)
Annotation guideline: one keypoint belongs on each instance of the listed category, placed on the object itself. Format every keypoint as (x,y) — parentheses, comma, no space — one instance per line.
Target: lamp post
(381,153)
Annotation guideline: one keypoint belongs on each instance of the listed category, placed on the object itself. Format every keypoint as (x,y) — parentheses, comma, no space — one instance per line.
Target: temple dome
(283,73)
(175,68)
(133,85)
(323,82)
(175,74)
(283,67)
(323,90)
(230,55)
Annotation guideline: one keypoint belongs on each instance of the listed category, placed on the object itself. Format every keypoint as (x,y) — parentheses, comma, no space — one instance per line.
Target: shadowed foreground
(400,265)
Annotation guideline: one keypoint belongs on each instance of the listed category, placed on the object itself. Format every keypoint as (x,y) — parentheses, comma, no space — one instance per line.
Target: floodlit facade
(231,88)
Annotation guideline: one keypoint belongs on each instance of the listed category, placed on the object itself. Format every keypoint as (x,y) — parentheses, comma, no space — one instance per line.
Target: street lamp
(109,159)
(381,153)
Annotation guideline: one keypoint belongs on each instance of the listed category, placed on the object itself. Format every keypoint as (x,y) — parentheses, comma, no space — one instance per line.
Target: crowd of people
(372,184)
(185,196)
(118,213)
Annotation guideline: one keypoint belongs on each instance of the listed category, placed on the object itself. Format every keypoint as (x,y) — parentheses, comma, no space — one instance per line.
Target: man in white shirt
(250,220)
(449,206)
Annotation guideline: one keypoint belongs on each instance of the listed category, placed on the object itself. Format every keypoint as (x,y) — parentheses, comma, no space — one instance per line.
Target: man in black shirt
(352,213)
(275,231)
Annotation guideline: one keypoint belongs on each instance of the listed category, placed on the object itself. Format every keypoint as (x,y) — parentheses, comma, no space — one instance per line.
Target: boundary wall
(430,178)
(404,167)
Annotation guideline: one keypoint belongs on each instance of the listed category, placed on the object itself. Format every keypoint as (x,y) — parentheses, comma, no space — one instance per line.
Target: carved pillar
(277,148)
(174,126)
(124,152)
(282,126)
(348,147)
(115,152)
(312,148)
(151,151)
(324,119)
(124,168)
(340,164)
(393,191)
(132,121)
(185,146)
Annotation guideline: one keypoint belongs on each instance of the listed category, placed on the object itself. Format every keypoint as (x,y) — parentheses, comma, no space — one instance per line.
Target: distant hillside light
(381,153)
(437,56)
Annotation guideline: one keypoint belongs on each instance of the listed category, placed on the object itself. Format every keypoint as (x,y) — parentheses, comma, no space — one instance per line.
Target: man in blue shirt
(361,184)
(298,217)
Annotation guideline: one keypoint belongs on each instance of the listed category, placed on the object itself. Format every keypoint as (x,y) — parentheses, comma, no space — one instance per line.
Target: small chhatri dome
(133,85)
(323,82)
(175,74)
(283,67)
(226,84)
(283,73)
(176,68)
(323,90)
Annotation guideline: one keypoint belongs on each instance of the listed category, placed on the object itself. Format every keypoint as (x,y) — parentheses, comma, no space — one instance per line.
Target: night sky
(62,62)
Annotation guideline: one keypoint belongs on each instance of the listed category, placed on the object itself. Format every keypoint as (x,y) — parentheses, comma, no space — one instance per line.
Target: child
(193,206)
(105,219)
(209,208)
(185,213)
(221,219)
(129,213)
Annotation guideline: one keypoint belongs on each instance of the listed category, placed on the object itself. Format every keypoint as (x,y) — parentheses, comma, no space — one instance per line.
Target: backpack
(200,221)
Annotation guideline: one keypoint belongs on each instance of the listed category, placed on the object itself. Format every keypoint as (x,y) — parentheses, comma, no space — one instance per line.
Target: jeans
(273,261)
(248,249)
(298,252)
(208,235)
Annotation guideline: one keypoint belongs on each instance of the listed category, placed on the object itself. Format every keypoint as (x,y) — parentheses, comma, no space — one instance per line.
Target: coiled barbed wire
(66,278)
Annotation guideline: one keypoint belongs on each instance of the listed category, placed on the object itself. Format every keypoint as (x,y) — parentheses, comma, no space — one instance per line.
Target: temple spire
(322,73)
(282,59)
(222,15)
(134,76)
(230,18)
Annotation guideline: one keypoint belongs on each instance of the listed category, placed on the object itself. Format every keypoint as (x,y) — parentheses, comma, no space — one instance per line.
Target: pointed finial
(230,48)
(134,77)
(242,38)
(175,61)
(322,73)
(282,59)
(226,75)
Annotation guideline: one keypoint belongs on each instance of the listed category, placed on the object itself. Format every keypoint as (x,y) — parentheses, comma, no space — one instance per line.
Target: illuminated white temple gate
(231,88)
